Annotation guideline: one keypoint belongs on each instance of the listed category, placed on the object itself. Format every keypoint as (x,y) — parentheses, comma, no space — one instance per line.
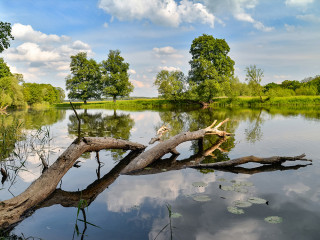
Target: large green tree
(115,77)
(5,35)
(84,81)
(210,66)
(170,84)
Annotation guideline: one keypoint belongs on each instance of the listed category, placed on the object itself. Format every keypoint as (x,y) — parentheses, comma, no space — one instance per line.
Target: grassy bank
(137,104)
(276,101)
(158,104)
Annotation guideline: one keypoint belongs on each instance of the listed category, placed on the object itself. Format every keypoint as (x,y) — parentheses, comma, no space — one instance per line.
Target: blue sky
(282,37)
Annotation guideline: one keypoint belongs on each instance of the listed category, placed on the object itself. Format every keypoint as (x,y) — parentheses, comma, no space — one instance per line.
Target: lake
(198,202)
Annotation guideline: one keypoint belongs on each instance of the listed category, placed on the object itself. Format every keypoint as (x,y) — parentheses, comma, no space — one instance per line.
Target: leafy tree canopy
(170,84)
(210,59)
(115,77)
(5,35)
(84,81)
(4,69)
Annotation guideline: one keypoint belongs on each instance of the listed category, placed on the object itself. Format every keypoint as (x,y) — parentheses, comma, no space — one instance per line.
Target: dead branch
(14,208)
(160,132)
(248,159)
(169,146)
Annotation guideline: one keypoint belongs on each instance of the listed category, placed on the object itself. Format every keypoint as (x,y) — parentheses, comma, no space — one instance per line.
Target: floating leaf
(240,190)
(246,184)
(235,210)
(147,168)
(273,219)
(164,170)
(201,198)
(257,200)
(199,184)
(222,180)
(242,204)
(227,188)
(233,181)
(175,215)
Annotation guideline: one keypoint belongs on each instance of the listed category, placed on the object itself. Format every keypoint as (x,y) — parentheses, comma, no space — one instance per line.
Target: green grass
(276,101)
(137,104)
(159,104)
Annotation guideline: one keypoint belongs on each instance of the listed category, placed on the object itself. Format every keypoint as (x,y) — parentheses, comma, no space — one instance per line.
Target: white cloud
(309,18)
(169,68)
(106,25)
(26,33)
(298,3)
(162,12)
(38,54)
(289,28)
(237,8)
(140,84)
(165,50)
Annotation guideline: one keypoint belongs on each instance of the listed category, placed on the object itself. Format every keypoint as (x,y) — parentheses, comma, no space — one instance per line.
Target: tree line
(212,75)
(14,92)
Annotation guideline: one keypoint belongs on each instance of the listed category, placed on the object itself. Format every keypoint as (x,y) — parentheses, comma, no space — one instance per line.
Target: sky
(282,37)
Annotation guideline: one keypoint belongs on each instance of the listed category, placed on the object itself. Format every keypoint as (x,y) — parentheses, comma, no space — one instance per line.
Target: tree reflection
(99,125)
(253,132)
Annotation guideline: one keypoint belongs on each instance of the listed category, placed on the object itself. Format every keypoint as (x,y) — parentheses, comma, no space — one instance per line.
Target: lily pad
(257,200)
(175,215)
(201,198)
(242,204)
(246,184)
(235,210)
(222,180)
(227,188)
(273,219)
(240,190)
(199,184)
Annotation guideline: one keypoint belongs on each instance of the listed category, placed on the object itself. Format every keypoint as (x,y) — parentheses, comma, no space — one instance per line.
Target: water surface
(136,206)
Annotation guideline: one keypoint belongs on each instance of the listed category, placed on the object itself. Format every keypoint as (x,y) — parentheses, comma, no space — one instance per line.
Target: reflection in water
(134,207)
(100,125)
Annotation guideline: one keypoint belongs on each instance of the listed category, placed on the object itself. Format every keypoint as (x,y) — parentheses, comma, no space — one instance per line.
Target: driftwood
(160,132)
(243,160)
(43,192)
(39,190)
(169,146)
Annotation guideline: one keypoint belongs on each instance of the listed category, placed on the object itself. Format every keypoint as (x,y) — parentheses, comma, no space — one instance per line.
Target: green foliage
(85,79)
(10,133)
(307,90)
(4,69)
(280,92)
(10,92)
(210,67)
(42,93)
(115,77)
(293,85)
(170,84)
(5,35)
(254,76)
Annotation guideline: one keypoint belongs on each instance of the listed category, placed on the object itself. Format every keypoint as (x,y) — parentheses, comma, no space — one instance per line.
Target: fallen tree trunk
(248,159)
(169,146)
(39,190)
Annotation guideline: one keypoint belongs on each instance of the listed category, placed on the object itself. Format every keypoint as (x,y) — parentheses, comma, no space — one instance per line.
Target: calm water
(135,207)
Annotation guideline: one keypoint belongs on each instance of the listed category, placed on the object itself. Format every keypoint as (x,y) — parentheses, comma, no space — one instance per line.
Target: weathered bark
(172,163)
(169,146)
(248,159)
(160,132)
(40,189)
